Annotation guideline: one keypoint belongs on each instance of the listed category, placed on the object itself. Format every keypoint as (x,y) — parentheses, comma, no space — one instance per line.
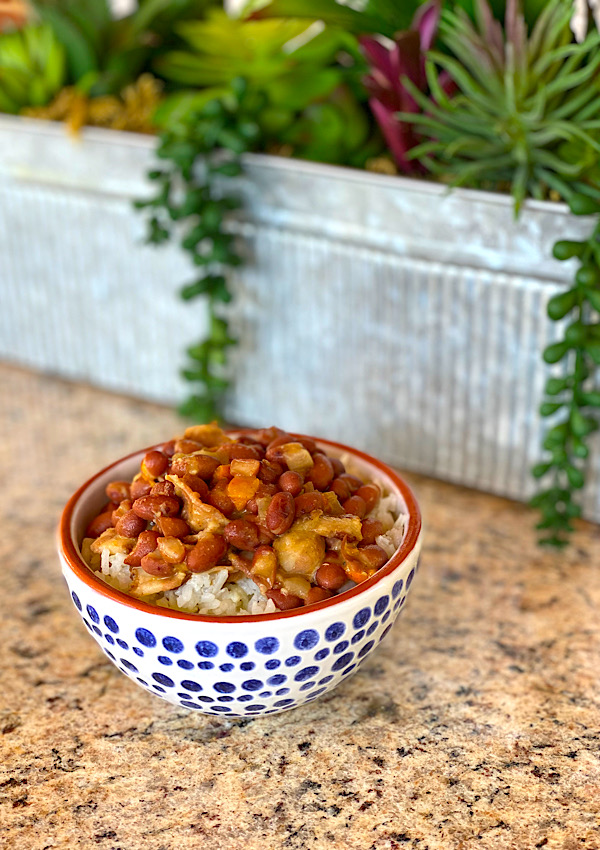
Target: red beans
(173,526)
(155,565)
(273,453)
(99,524)
(150,507)
(375,556)
(117,491)
(270,471)
(317,594)
(140,488)
(321,475)
(331,576)
(242,534)
(308,443)
(352,481)
(307,502)
(207,553)
(338,466)
(146,543)
(370,493)
(371,529)
(130,525)
(197,484)
(283,601)
(168,449)
(266,435)
(291,482)
(163,488)
(156,463)
(219,499)
(201,465)
(236,451)
(280,513)
(341,489)
(355,505)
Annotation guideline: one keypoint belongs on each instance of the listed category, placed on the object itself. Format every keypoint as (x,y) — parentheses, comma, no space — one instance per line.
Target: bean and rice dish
(216,525)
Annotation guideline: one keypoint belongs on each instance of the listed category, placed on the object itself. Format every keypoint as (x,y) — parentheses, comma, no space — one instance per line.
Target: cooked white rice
(209,593)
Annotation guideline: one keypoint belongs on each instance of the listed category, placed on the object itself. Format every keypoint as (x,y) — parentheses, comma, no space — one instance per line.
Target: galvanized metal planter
(380,311)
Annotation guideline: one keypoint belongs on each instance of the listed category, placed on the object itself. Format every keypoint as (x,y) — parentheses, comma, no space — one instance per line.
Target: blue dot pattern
(267,645)
(237,649)
(172,644)
(206,648)
(335,631)
(111,625)
(381,605)
(306,639)
(145,637)
(93,614)
(361,618)
(305,670)
(164,680)
(224,687)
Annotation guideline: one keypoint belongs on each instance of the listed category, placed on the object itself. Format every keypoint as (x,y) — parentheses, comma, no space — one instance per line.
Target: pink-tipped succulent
(392,59)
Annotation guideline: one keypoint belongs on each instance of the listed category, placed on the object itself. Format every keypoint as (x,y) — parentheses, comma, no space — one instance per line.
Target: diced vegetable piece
(300,552)
(241,489)
(332,504)
(297,458)
(245,467)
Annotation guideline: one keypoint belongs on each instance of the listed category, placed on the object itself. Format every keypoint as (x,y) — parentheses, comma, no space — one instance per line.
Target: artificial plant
(390,61)
(290,91)
(527,116)
(32,67)
(572,397)
(106,53)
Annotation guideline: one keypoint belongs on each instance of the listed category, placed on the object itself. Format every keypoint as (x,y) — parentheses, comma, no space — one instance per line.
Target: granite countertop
(475,725)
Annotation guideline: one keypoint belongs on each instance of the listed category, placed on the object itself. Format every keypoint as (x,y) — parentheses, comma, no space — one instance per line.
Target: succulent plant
(32,67)
(104,54)
(524,103)
(306,107)
(390,61)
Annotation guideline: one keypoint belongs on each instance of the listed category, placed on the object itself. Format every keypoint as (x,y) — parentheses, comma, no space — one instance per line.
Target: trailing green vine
(199,151)
(572,397)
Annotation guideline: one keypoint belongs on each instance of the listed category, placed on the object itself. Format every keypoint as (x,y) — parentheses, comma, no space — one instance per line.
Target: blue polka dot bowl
(245,665)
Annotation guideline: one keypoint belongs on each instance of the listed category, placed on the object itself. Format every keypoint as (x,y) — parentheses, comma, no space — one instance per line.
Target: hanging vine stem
(199,150)
(571,394)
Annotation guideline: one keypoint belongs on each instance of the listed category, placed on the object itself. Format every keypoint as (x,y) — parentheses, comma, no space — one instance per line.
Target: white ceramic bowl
(244,665)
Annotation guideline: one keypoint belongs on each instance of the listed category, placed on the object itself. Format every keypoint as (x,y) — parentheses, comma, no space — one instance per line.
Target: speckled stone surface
(476,725)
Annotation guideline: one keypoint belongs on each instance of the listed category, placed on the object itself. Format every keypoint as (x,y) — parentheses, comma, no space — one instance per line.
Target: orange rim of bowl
(78,566)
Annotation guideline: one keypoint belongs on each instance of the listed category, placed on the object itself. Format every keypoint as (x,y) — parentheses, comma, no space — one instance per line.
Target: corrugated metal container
(383,312)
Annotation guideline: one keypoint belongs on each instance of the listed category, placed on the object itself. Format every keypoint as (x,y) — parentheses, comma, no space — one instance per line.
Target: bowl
(243,665)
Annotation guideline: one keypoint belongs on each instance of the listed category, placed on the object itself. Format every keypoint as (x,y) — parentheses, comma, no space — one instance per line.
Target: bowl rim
(68,549)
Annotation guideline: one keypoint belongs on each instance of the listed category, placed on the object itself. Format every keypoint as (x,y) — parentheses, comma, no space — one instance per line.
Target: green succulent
(521,99)
(572,399)
(303,96)
(32,68)
(105,54)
